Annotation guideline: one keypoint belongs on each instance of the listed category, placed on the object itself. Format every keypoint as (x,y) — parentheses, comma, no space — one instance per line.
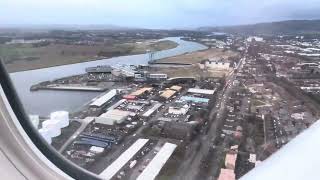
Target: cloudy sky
(155,13)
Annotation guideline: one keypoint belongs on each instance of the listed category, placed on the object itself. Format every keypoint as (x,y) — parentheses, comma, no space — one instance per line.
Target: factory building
(176,88)
(123,159)
(129,97)
(99,69)
(201,91)
(194,99)
(167,94)
(157,77)
(214,64)
(141,91)
(112,116)
(104,99)
(117,104)
(152,110)
(178,109)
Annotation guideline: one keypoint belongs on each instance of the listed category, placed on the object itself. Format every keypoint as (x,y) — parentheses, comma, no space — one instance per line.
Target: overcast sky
(155,13)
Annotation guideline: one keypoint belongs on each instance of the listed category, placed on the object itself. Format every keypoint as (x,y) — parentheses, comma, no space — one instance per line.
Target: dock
(69,88)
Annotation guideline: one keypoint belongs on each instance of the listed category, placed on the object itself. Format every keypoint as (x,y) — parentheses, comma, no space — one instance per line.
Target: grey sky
(155,13)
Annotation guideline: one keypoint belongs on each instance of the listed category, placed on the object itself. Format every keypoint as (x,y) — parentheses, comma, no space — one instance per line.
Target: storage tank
(54,131)
(50,123)
(34,120)
(46,135)
(62,117)
(53,126)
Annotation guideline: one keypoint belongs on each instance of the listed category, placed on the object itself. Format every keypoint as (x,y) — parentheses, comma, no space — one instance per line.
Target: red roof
(129,97)
(227,174)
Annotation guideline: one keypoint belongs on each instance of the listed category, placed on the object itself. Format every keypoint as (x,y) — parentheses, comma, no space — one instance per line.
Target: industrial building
(99,69)
(167,94)
(214,64)
(176,88)
(194,99)
(104,99)
(123,159)
(157,77)
(112,116)
(178,109)
(129,97)
(152,110)
(141,91)
(117,104)
(154,167)
(201,91)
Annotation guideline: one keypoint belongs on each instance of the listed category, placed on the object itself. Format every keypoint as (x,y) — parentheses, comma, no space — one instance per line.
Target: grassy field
(20,57)
(198,56)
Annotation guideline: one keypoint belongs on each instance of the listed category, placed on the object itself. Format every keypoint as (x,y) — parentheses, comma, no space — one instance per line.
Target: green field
(20,57)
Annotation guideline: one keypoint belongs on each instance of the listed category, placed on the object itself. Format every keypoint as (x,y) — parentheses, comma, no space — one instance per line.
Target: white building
(178,110)
(216,64)
(258,39)
(112,116)
(104,99)
(201,91)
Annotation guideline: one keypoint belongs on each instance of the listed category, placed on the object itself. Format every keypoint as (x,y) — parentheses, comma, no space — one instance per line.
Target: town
(210,114)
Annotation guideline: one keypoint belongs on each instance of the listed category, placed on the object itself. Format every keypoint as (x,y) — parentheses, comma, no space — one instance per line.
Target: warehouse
(194,99)
(104,99)
(157,77)
(167,94)
(154,167)
(129,97)
(201,91)
(141,91)
(116,104)
(112,116)
(123,159)
(176,88)
(178,109)
(152,110)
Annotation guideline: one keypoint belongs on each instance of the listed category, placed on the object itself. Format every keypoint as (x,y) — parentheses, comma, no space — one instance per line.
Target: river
(46,101)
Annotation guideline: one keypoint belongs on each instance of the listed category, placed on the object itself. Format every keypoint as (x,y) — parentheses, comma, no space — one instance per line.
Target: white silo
(46,135)
(62,117)
(48,123)
(53,126)
(54,131)
(34,120)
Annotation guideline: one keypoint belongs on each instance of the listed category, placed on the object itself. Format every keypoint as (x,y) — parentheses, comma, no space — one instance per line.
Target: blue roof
(194,99)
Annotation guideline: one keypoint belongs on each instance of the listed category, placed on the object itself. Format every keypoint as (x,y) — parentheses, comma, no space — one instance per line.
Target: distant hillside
(282,27)
(70,27)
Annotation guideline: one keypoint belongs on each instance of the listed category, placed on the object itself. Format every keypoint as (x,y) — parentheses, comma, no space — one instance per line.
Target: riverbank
(44,102)
(198,56)
(25,57)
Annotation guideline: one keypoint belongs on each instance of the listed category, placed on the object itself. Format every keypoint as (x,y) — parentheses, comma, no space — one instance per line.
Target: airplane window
(162,90)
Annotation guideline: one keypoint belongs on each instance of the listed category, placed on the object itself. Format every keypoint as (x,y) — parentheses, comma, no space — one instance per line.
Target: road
(84,124)
(190,168)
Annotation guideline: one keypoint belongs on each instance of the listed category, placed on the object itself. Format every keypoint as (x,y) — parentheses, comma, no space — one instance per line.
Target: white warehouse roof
(154,167)
(112,116)
(117,104)
(151,110)
(201,91)
(123,159)
(105,98)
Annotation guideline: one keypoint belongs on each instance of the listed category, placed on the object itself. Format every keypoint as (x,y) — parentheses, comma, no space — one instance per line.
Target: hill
(281,27)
